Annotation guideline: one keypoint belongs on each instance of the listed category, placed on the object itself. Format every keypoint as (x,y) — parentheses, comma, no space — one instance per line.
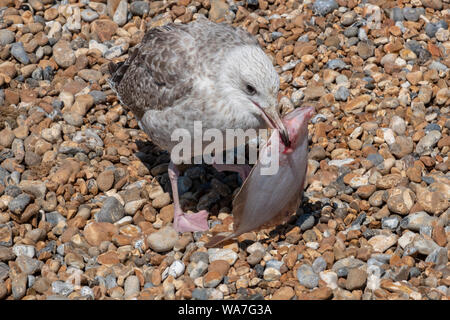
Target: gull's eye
(251,90)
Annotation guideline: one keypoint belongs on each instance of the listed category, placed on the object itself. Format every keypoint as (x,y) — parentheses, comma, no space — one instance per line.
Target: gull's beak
(273,119)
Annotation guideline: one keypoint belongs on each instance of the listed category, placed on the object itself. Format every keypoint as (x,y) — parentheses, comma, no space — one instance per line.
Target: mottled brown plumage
(161,70)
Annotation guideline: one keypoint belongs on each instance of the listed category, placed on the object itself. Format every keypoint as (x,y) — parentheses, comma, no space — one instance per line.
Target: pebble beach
(86,208)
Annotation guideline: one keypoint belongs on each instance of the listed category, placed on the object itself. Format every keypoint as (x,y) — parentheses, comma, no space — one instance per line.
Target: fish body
(269,199)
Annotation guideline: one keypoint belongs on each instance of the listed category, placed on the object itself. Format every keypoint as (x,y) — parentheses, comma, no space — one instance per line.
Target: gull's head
(251,85)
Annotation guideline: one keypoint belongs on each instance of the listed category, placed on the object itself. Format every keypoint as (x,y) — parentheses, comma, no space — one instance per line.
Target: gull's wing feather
(158,72)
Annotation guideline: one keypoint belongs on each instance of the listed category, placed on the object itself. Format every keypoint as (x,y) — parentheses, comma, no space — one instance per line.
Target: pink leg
(184,222)
(242,169)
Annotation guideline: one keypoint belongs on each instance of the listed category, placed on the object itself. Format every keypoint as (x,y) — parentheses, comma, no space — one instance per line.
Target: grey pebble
(49,247)
(3,175)
(436,65)
(6,37)
(414,46)
(353,41)
(19,203)
(413,14)
(252,2)
(318,118)
(4,271)
(438,257)
(409,251)
(255,257)
(342,94)
(19,285)
(397,14)
(99,96)
(382,257)
(348,263)
(131,286)
(54,218)
(374,262)
(307,277)
(442,24)
(12,190)
(73,119)
(60,249)
(199,294)
(342,272)
(427,143)
(113,52)
(110,281)
(351,32)
(432,126)
(375,158)
(274,264)
(276,35)
(18,52)
(111,211)
(305,222)
(319,265)
(37,74)
(197,269)
(139,8)
(428,180)
(30,281)
(148,285)
(324,7)
(87,292)
(414,272)
(28,265)
(426,231)
(362,35)
(62,288)
(336,64)
(303,38)
(425,246)
(6,154)
(358,221)
(391,222)
(431,29)
(89,15)
(415,221)
(23,249)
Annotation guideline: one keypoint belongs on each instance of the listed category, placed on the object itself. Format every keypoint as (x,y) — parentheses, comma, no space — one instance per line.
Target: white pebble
(313,245)
(24,250)
(176,269)
(222,254)
(406,239)
(330,278)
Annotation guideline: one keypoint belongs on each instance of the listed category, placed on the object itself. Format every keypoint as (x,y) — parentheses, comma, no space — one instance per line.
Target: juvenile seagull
(201,71)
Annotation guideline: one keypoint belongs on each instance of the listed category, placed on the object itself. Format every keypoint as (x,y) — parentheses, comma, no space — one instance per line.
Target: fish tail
(214,241)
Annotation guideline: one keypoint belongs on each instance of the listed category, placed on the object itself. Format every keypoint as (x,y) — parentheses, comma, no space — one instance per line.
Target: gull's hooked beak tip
(273,119)
(279,125)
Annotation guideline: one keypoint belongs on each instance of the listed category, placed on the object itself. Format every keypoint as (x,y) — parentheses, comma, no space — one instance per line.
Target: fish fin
(217,239)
